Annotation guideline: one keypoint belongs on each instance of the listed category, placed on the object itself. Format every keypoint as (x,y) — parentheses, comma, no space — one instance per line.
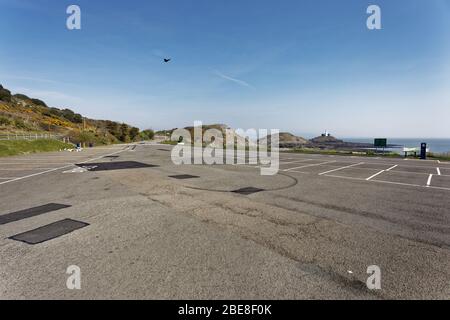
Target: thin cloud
(238,81)
(53,98)
(28,79)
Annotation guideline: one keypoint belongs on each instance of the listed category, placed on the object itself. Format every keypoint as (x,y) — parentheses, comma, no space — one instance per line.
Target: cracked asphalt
(306,235)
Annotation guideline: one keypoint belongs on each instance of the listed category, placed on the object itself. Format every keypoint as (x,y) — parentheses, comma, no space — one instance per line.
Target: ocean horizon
(435,145)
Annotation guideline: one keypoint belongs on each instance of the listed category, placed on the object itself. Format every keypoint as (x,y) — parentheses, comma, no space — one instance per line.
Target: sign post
(423,151)
(380,143)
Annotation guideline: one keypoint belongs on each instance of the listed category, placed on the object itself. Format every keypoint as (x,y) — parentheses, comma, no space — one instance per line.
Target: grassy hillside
(19,113)
(12,148)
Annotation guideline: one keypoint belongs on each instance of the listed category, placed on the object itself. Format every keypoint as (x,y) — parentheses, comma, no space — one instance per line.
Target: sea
(439,146)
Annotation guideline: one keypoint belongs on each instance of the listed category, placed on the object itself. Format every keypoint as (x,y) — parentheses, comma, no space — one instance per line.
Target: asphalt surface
(309,232)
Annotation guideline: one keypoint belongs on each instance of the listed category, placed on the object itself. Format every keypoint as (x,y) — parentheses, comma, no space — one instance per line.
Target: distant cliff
(286,140)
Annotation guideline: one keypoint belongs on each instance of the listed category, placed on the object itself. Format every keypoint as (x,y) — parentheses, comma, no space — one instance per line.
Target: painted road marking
(388,182)
(303,172)
(438,171)
(60,168)
(342,168)
(25,169)
(393,167)
(76,170)
(49,158)
(373,176)
(412,172)
(429,180)
(344,177)
(36,163)
(309,165)
(298,161)
(410,184)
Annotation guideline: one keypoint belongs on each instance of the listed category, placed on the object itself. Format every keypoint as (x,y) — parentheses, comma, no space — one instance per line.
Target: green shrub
(134,133)
(20,124)
(47,113)
(113,128)
(147,134)
(39,102)
(5,95)
(71,116)
(4,121)
(124,133)
(21,96)
(85,137)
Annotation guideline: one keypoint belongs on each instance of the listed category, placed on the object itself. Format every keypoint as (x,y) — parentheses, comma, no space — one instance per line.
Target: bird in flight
(167,60)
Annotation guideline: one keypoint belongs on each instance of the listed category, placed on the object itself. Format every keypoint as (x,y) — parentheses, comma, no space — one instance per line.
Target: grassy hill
(19,113)
(18,147)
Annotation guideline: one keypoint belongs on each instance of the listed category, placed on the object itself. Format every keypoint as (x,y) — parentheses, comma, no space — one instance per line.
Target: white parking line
(343,177)
(384,181)
(393,167)
(25,169)
(309,165)
(302,172)
(371,181)
(429,180)
(59,168)
(28,164)
(376,174)
(410,172)
(49,158)
(438,171)
(439,188)
(298,161)
(353,165)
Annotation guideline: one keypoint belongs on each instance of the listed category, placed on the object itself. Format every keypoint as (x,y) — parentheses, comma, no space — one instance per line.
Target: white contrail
(240,82)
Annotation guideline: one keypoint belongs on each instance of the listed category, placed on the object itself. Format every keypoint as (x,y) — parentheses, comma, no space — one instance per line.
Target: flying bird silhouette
(167,60)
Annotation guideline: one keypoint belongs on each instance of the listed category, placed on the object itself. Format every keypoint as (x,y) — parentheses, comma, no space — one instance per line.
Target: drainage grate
(31,212)
(111,157)
(164,150)
(104,166)
(50,231)
(184,177)
(248,190)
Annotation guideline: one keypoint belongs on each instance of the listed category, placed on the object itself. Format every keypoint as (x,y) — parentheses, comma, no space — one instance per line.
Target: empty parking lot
(140,227)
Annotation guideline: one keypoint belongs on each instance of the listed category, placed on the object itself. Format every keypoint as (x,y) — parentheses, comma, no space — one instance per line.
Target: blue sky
(299,66)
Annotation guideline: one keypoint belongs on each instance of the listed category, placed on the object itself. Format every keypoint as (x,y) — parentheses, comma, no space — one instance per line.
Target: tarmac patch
(31,212)
(184,177)
(248,190)
(49,232)
(107,166)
